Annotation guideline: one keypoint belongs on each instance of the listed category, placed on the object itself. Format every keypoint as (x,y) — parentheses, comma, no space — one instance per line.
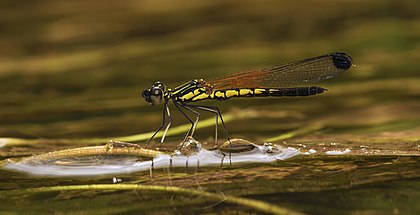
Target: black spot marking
(342,60)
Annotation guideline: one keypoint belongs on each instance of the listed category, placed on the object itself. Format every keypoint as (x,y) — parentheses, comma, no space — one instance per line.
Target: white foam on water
(310,151)
(337,152)
(3,142)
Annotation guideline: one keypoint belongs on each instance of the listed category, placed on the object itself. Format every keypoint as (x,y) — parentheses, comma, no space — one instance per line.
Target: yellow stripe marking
(219,94)
(244,92)
(259,91)
(201,97)
(231,93)
(190,95)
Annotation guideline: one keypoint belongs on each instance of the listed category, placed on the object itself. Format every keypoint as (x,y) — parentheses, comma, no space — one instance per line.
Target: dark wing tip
(342,60)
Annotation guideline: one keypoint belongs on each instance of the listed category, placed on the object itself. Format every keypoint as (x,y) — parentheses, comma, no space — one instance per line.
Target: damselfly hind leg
(215,110)
(217,118)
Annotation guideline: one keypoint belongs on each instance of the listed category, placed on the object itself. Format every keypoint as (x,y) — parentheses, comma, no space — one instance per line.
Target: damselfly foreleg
(165,112)
(168,125)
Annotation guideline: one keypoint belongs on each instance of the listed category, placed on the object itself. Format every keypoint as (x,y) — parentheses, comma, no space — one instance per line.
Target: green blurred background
(75,69)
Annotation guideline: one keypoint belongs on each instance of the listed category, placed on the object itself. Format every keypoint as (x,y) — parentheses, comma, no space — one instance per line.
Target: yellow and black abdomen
(198,95)
(265,92)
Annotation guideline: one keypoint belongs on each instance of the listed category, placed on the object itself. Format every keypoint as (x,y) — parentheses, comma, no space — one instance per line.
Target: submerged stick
(112,147)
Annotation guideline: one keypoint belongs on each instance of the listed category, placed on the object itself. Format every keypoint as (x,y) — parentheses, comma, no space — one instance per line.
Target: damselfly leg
(191,131)
(167,126)
(166,115)
(215,110)
(178,106)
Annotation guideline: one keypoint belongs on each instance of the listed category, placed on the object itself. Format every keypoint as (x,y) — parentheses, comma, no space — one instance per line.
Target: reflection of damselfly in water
(291,79)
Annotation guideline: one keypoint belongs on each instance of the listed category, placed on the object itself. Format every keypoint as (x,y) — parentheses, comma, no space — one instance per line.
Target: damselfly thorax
(291,79)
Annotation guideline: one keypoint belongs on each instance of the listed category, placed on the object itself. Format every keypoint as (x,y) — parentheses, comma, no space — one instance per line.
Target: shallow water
(114,164)
(365,179)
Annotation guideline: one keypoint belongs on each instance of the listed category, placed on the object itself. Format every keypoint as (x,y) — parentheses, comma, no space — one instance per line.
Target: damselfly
(291,79)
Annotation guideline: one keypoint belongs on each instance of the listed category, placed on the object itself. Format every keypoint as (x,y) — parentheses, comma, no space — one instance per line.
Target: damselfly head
(154,95)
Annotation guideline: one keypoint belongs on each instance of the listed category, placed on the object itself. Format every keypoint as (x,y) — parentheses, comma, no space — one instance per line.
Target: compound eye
(156,96)
(160,85)
(157,91)
(145,94)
